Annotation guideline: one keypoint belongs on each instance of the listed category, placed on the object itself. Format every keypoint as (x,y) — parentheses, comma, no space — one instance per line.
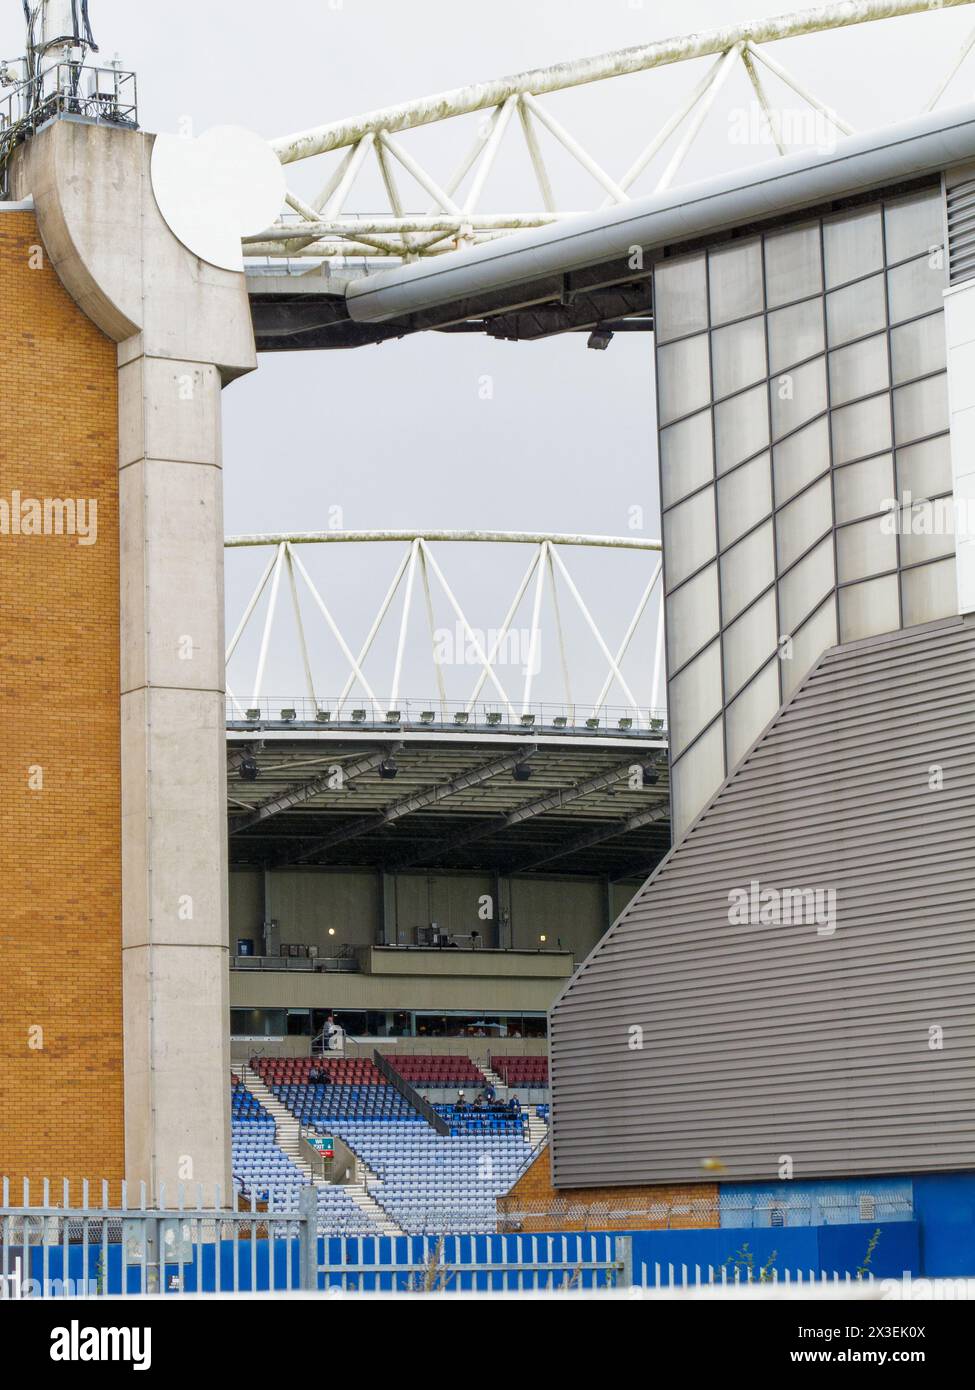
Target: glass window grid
(830,469)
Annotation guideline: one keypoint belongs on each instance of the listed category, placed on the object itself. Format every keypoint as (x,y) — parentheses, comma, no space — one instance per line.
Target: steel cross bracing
(431,215)
(473,690)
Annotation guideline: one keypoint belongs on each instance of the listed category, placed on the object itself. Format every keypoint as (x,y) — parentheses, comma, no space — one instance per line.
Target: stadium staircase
(493,1077)
(358,1190)
(287,1133)
(287,1130)
(537,1128)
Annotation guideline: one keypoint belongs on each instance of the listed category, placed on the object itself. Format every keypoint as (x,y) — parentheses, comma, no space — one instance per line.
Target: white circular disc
(212,191)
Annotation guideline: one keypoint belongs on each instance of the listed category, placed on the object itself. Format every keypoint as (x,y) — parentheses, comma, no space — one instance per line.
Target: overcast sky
(401,435)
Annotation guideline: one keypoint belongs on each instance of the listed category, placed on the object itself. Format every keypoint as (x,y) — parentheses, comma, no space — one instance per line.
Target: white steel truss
(487,699)
(453,219)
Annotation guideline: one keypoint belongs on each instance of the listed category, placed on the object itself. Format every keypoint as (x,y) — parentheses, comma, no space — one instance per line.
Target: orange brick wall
(533,1204)
(60,914)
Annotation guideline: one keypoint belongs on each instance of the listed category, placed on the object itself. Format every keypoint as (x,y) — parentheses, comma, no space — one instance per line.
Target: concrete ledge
(418,960)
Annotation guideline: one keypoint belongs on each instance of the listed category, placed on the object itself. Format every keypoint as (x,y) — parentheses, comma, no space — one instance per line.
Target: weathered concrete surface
(183,329)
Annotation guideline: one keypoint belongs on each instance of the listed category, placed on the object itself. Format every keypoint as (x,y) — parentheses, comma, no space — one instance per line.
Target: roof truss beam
(417,801)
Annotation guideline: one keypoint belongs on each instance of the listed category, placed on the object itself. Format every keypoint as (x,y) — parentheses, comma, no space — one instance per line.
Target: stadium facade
(788,996)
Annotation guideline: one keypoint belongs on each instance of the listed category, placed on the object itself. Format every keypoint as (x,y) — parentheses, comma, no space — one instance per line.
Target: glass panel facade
(809,362)
(853,245)
(741,427)
(917,348)
(793,268)
(744,499)
(738,354)
(683,373)
(795,333)
(680,289)
(735,280)
(685,457)
(924,470)
(801,458)
(860,488)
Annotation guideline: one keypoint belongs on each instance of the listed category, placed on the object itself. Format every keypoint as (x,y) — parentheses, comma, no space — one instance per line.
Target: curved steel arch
(547,569)
(451,220)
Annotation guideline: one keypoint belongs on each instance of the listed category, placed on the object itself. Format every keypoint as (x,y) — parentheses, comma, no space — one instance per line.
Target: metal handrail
(413,1097)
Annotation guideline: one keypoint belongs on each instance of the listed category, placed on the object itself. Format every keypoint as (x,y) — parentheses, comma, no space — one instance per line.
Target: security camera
(9,76)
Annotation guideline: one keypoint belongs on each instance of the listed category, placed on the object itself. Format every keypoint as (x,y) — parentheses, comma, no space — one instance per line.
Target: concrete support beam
(388,929)
(183,330)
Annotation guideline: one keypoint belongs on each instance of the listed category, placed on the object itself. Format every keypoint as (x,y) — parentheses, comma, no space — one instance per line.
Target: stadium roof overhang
(581,272)
(455,801)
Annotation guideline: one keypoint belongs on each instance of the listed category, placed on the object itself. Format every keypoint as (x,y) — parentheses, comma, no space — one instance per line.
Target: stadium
(600,897)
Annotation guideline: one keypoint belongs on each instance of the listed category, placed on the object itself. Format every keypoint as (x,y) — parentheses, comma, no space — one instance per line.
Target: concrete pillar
(183,329)
(388,929)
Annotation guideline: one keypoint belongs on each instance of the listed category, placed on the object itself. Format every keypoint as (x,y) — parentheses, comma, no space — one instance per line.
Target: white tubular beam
(718,77)
(478,537)
(460,173)
(536,156)
(563,655)
(771,119)
(625,644)
(356,226)
(404,624)
(312,212)
(431,624)
(505,626)
(376,625)
(237,705)
(962,54)
(664,134)
(255,596)
(268,623)
(309,682)
(538,81)
(438,194)
(569,143)
(799,89)
(491,146)
(335,200)
(334,179)
(322,249)
(468,631)
(658,656)
(333,628)
(595,630)
(392,193)
(543,560)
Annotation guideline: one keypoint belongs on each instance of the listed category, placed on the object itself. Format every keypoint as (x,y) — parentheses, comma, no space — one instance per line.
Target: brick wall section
(60,889)
(533,1204)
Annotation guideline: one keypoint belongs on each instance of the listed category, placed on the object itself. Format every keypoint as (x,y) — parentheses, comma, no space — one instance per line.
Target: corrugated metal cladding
(766,1041)
(960,201)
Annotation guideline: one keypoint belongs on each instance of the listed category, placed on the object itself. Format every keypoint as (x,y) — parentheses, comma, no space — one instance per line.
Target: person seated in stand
(514,1105)
(489,1093)
(479,1102)
(460,1103)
